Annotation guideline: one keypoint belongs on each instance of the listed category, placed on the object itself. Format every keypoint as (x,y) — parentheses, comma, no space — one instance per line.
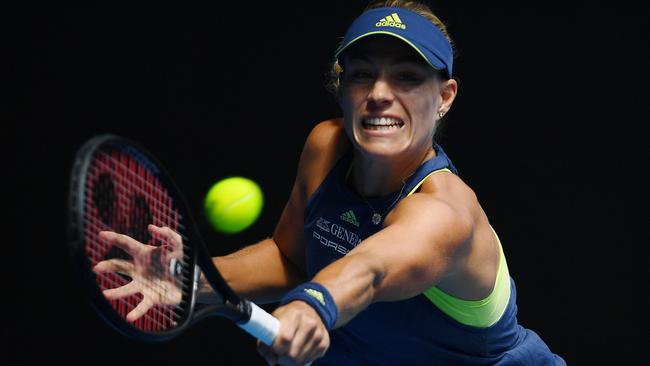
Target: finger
(115,265)
(317,345)
(176,237)
(119,292)
(318,351)
(139,310)
(171,240)
(156,230)
(283,340)
(130,245)
(302,344)
(166,232)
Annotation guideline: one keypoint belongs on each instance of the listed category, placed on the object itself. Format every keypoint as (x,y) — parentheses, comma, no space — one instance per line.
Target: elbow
(372,269)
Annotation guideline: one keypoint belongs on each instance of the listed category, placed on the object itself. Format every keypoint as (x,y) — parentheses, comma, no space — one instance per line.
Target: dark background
(548,129)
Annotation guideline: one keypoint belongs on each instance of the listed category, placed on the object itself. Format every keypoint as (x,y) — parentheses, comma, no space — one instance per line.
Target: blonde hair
(417,7)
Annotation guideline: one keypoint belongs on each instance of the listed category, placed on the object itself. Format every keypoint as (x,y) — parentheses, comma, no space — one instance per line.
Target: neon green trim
(478,313)
(390,34)
(425,178)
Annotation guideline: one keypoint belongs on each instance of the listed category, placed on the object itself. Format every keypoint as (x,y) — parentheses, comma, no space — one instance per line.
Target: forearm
(353,283)
(259,272)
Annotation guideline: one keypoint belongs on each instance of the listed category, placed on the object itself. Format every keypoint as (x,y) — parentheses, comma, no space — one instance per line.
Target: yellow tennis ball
(233,204)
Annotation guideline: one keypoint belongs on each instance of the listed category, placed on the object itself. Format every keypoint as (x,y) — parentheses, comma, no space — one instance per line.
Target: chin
(382,150)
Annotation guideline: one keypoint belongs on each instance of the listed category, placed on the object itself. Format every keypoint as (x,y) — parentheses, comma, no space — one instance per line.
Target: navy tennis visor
(412,28)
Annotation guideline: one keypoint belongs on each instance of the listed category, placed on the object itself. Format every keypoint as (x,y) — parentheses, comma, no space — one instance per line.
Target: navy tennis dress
(412,331)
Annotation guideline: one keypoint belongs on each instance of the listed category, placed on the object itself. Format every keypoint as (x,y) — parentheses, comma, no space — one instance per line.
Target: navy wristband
(317,296)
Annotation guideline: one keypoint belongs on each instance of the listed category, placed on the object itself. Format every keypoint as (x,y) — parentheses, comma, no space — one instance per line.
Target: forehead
(383,48)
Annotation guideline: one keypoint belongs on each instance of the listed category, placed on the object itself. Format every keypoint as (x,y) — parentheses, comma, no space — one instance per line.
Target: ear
(448,90)
(338,70)
(339,93)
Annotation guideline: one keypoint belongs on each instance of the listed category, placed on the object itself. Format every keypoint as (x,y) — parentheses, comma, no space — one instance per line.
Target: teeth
(383,121)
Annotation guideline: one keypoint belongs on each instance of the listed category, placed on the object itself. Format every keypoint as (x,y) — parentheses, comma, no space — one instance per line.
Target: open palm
(149,269)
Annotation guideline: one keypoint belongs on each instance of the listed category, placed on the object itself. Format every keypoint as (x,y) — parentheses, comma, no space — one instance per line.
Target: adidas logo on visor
(392,20)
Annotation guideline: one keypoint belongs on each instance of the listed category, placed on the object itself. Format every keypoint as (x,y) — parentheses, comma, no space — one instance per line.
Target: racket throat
(238,313)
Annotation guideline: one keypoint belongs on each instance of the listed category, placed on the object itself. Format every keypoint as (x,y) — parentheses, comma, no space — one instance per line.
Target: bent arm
(413,252)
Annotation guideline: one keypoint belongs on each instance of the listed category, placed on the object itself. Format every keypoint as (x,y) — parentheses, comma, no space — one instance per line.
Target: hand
(149,269)
(302,336)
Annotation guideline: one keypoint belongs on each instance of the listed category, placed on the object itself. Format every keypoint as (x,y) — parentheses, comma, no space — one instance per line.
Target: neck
(372,177)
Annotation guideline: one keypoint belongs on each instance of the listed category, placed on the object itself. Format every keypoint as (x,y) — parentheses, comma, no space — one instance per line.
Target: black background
(548,129)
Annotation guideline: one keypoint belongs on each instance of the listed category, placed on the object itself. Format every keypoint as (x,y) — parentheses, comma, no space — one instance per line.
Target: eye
(408,77)
(361,75)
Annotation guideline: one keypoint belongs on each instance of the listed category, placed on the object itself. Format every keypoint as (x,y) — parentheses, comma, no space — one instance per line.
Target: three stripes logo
(316,295)
(392,20)
(350,218)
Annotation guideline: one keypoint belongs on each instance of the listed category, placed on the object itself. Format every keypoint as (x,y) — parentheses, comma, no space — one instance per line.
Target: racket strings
(127,197)
(125,187)
(184,284)
(161,267)
(160,316)
(116,252)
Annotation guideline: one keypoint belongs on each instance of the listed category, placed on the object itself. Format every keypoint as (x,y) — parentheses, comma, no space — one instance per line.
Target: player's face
(390,98)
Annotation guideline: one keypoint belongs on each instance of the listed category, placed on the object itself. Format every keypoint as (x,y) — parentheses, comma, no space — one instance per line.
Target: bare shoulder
(473,275)
(446,199)
(326,138)
(325,142)
(450,189)
(325,145)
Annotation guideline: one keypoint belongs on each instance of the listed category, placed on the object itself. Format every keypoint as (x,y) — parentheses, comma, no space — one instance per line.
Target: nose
(380,94)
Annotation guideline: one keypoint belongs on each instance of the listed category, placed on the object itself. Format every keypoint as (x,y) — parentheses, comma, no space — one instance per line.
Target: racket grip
(261,325)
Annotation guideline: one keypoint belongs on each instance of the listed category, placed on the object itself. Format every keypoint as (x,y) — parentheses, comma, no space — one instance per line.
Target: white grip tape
(261,325)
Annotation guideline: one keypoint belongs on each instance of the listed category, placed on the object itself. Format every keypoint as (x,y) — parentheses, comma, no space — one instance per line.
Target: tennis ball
(233,204)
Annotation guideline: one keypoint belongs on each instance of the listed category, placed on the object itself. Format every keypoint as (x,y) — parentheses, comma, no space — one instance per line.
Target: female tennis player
(383,255)
(402,264)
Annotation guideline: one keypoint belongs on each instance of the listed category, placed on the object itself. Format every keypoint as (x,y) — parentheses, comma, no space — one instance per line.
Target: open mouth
(382,123)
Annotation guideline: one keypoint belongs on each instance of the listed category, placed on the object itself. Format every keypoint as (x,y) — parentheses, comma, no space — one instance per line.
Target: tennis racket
(142,279)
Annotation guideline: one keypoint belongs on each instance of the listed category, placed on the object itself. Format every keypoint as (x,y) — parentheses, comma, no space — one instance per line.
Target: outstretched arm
(260,273)
(419,244)
(413,252)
